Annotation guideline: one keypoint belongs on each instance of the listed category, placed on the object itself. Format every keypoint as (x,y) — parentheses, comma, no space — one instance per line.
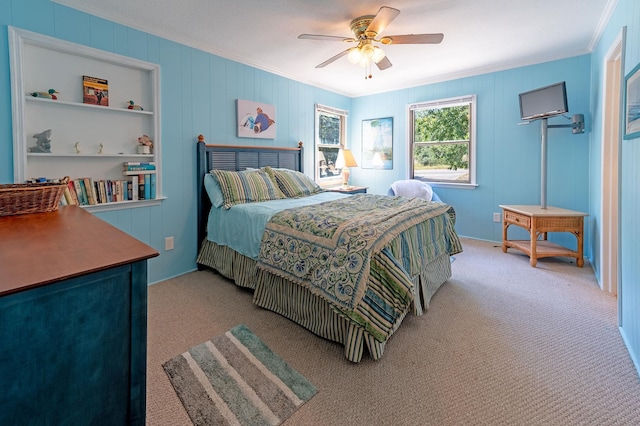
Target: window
(331,130)
(442,140)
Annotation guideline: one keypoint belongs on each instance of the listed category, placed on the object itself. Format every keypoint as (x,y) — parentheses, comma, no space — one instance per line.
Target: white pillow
(412,188)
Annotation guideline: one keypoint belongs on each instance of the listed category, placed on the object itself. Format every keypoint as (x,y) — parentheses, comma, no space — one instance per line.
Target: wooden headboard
(235,158)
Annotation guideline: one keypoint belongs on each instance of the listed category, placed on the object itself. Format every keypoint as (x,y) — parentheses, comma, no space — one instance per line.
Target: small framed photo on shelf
(377,143)
(632,104)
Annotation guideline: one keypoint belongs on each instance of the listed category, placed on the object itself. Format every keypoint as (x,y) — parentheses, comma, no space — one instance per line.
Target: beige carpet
(502,344)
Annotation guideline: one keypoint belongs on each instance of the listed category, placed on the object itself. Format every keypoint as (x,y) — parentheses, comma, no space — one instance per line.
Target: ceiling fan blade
(333,58)
(325,37)
(414,39)
(384,63)
(384,16)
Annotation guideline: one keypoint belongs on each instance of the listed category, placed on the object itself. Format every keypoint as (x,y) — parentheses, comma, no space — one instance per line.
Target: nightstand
(349,189)
(538,222)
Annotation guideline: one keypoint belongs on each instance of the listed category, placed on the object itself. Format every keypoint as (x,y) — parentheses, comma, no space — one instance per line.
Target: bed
(349,268)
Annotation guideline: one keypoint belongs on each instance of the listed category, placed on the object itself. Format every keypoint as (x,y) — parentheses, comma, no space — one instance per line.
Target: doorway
(610,166)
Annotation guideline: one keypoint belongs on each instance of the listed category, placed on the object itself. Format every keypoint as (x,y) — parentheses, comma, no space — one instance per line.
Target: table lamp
(344,161)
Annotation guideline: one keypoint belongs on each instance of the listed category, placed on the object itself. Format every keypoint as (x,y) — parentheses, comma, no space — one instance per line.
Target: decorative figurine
(132,105)
(146,144)
(43,142)
(51,94)
(100,148)
(77,147)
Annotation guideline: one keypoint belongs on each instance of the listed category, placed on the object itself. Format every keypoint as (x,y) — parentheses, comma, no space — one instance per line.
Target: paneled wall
(508,154)
(626,14)
(198,96)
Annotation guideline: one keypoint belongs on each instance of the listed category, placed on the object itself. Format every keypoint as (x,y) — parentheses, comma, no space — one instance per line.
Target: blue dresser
(73,321)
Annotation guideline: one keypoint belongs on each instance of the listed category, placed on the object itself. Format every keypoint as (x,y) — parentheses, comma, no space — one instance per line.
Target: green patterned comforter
(337,249)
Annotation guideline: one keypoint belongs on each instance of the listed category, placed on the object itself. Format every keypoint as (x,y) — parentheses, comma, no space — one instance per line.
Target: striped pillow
(247,186)
(294,184)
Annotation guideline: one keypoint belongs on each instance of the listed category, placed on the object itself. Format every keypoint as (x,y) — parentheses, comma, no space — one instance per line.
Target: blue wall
(199,93)
(508,154)
(627,13)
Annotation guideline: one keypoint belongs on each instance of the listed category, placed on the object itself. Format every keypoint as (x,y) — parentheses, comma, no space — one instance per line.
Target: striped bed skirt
(311,311)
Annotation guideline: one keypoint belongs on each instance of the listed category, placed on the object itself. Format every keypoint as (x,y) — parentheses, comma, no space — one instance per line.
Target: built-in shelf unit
(87,140)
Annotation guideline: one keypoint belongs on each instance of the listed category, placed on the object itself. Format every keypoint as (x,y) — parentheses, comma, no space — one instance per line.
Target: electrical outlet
(168,243)
(496,217)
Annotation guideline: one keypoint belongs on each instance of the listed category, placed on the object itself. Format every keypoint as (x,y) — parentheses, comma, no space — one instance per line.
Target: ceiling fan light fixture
(368,50)
(355,55)
(364,54)
(378,54)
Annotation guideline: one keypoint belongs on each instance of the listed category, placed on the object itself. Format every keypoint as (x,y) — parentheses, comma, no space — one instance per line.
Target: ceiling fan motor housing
(360,25)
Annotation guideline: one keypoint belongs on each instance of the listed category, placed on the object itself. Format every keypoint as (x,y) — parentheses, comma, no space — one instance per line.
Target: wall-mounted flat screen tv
(544,102)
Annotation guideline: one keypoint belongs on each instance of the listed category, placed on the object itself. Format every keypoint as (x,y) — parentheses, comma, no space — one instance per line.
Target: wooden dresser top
(42,248)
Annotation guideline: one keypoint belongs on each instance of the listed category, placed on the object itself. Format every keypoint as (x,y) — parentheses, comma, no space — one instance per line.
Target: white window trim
(334,180)
(472,135)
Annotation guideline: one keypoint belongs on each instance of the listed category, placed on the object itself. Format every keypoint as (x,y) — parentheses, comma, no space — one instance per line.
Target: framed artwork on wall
(256,120)
(377,143)
(632,104)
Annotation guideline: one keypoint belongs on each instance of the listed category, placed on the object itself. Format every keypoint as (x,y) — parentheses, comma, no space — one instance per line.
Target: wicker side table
(538,222)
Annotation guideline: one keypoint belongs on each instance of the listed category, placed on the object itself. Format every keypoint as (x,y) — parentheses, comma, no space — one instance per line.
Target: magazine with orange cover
(95,91)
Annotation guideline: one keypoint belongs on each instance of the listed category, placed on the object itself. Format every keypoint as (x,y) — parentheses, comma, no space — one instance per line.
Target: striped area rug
(236,379)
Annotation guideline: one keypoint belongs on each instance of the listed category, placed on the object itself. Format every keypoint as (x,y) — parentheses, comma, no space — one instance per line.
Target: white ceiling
(479,35)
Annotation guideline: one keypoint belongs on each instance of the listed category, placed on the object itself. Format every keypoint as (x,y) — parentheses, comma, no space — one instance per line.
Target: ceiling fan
(365,29)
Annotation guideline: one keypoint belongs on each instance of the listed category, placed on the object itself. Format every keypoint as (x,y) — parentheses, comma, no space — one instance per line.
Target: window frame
(342,115)
(470,100)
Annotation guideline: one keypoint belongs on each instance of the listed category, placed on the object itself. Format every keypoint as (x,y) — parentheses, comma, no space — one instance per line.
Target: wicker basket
(23,198)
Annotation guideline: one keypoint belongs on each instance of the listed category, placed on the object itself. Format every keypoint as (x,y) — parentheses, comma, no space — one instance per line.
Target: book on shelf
(108,186)
(72,193)
(149,169)
(130,190)
(76,186)
(96,189)
(82,192)
(68,198)
(101,192)
(147,186)
(95,91)
(130,166)
(91,191)
(152,186)
(140,187)
(114,191)
(139,163)
(118,190)
(124,190)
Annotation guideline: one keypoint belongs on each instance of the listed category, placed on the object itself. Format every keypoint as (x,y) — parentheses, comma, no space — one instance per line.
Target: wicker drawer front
(518,219)
(560,223)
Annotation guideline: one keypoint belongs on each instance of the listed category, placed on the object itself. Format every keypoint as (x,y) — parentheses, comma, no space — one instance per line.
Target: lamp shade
(345,159)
